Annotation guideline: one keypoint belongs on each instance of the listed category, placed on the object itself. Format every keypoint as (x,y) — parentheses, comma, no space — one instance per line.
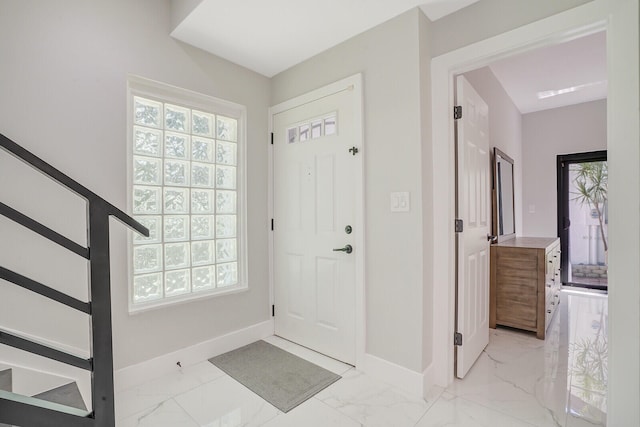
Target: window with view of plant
(185,191)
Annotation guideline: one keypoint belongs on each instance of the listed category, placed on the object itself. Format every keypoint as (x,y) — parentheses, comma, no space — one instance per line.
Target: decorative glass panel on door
(330,127)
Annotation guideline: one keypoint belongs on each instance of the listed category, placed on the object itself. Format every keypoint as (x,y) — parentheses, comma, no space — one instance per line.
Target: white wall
(388,57)
(424,27)
(63,96)
(545,134)
(505,127)
(488,18)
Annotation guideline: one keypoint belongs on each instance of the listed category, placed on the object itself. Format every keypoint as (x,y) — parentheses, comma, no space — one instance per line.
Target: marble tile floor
(517,381)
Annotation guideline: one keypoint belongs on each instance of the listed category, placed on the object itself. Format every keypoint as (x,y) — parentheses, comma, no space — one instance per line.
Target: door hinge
(271,138)
(457,112)
(273,310)
(457,338)
(272,224)
(459,226)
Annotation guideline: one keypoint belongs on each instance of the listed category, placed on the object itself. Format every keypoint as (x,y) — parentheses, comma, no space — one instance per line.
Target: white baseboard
(395,375)
(428,380)
(134,375)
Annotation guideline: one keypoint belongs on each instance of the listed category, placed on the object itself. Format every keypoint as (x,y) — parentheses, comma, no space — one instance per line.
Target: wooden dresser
(525,283)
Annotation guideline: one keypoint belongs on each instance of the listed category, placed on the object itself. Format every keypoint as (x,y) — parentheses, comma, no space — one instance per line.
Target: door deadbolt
(348,229)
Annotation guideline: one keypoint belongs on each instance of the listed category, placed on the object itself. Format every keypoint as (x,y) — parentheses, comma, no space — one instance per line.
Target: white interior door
(474,208)
(314,203)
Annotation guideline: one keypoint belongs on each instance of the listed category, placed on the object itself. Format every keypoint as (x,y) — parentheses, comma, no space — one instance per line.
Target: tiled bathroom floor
(517,381)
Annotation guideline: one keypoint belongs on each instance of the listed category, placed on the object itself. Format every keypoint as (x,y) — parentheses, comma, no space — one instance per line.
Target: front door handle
(348,249)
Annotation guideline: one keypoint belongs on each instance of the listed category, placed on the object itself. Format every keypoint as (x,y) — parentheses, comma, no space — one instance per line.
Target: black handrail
(98,307)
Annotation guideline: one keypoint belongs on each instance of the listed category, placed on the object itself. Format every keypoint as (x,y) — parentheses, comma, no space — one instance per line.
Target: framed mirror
(504,223)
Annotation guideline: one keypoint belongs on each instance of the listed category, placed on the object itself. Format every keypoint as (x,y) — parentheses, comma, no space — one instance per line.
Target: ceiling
(272,36)
(556,76)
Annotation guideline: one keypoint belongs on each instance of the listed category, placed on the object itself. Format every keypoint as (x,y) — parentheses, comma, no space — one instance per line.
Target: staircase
(6,384)
(61,404)
(22,383)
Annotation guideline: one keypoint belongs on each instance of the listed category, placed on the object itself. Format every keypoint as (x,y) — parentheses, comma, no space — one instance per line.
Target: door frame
(563,208)
(354,84)
(620,20)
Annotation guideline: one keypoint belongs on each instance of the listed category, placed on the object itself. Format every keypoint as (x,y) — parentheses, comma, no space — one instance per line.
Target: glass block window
(185,189)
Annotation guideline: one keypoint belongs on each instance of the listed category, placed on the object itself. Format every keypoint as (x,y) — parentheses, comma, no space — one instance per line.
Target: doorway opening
(583,218)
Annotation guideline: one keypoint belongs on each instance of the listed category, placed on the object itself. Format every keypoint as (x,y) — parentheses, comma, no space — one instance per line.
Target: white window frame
(150,89)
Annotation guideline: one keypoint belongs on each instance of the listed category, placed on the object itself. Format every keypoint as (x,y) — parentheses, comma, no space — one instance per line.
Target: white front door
(474,208)
(314,210)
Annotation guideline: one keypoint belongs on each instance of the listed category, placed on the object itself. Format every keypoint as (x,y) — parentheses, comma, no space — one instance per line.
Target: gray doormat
(279,377)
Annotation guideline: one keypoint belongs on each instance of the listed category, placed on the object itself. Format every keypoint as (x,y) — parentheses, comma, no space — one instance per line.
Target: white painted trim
(398,376)
(555,29)
(140,373)
(354,83)
(621,16)
(428,380)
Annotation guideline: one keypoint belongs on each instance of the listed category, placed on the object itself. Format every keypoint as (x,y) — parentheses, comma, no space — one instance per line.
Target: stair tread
(6,380)
(33,401)
(67,395)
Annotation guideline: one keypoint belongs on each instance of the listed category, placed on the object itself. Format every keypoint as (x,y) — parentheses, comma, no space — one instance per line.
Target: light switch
(400,202)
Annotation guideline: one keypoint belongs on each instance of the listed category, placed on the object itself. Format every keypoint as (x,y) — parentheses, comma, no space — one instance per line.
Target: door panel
(314,200)
(473,206)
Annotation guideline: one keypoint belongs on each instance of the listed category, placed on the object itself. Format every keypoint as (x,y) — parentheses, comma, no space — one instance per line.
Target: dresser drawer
(524,283)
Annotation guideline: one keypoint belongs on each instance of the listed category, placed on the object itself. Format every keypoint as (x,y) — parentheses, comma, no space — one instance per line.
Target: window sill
(183,299)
